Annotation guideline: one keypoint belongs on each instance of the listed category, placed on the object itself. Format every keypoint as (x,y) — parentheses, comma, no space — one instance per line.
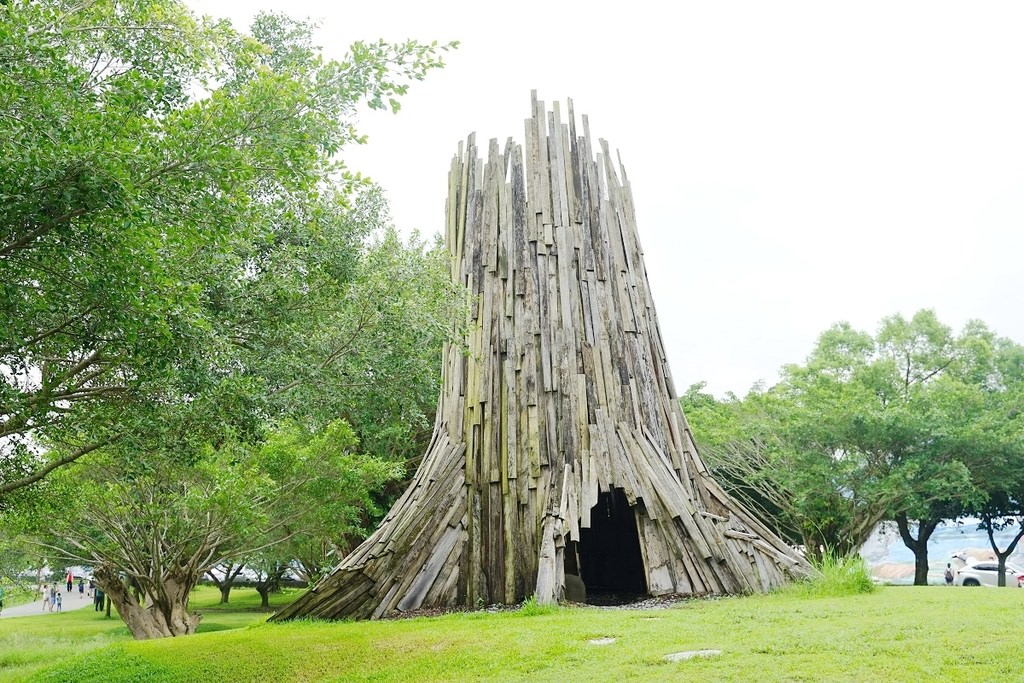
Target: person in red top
(70,580)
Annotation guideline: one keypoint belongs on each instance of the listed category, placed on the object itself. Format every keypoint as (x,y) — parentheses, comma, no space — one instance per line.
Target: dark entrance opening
(610,562)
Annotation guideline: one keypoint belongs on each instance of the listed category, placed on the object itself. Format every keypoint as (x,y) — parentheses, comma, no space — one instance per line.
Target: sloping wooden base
(562,407)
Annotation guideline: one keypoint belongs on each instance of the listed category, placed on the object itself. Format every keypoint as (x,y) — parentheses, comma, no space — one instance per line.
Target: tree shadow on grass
(211,626)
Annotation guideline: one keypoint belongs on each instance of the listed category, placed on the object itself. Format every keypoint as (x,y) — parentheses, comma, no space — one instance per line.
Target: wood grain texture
(565,394)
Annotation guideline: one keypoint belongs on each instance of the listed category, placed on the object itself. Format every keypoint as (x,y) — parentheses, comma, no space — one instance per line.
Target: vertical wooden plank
(460,217)
(532,176)
(543,198)
(504,238)
(556,182)
(573,170)
(557,157)
(495,547)
(518,224)
(533,429)
(493,180)
(545,320)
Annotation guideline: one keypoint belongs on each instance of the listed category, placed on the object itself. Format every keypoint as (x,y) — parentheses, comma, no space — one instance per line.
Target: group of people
(53,599)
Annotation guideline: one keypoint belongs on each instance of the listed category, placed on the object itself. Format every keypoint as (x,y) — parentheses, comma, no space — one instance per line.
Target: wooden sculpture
(559,446)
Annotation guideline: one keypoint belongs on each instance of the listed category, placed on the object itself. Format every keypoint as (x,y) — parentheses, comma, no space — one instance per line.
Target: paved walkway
(70,601)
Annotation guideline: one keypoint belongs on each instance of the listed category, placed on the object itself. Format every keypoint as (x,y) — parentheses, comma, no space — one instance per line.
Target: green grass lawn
(893,634)
(29,645)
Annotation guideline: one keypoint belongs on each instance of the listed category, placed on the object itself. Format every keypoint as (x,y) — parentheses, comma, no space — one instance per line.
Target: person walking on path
(53,597)
(949,574)
(59,603)
(70,579)
(44,591)
(31,609)
(81,587)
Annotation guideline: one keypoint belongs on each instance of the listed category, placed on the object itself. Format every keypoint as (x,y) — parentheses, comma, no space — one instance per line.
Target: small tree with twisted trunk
(152,535)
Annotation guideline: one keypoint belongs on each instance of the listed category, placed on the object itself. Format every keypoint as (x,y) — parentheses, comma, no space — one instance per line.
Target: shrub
(838,576)
(532,608)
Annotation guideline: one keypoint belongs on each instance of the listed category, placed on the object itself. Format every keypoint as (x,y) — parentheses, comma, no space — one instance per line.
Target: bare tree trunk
(311,565)
(559,445)
(264,591)
(919,545)
(1002,555)
(231,572)
(164,614)
(270,583)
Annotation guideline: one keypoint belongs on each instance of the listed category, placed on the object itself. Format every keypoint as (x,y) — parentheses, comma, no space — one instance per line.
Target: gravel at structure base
(639,603)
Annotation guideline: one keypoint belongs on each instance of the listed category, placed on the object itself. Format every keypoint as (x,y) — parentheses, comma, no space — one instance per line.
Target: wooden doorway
(611,565)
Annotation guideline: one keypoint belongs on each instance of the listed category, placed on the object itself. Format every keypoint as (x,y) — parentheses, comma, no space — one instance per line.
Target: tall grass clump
(837,576)
(531,608)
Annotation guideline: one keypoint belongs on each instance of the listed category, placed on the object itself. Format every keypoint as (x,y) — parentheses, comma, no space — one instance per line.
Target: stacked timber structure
(559,447)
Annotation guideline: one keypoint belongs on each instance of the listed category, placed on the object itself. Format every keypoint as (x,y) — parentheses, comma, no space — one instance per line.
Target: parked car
(987,574)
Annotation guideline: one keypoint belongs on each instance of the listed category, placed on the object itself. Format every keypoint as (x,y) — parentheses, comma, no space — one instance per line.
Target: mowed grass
(31,644)
(893,634)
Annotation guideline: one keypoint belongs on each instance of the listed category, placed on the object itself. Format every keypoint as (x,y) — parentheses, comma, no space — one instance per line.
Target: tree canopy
(172,209)
(198,295)
(907,425)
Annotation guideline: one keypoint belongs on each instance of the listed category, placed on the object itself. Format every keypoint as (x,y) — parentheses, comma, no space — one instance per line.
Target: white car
(987,574)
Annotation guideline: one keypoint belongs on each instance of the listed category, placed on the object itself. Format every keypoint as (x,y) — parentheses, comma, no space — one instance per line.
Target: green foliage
(838,576)
(161,519)
(742,443)
(375,341)
(329,495)
(914,424)
(17,592)
(532,608)
(186,264)
(170,207)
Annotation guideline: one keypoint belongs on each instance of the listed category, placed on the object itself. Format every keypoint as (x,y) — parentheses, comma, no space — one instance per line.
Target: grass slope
(894,634)
(29,645)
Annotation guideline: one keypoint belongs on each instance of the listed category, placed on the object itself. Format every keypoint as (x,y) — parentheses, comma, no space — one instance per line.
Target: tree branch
(7,487)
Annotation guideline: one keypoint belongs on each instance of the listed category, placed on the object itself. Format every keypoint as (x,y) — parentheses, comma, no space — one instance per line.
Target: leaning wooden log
(559,448)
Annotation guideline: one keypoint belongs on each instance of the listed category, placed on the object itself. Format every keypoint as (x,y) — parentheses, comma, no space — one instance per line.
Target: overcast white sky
(794,164)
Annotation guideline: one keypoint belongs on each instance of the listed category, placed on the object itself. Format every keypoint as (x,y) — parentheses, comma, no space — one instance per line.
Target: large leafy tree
(894,426)
(761,449)
(888,408)
(184,262)
(158,509)
(200,485)
(998,365)
(157,173)
(152,527)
